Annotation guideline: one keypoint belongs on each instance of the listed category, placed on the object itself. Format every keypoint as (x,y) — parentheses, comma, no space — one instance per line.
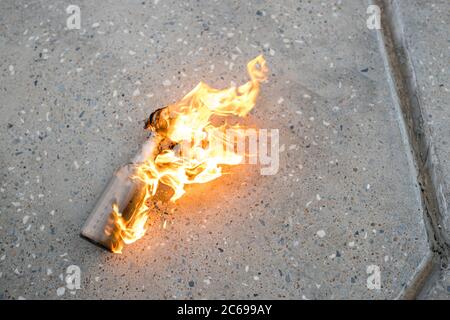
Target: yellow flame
(200,151)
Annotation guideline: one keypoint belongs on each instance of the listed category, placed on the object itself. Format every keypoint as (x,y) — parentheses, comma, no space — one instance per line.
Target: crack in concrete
(403,86)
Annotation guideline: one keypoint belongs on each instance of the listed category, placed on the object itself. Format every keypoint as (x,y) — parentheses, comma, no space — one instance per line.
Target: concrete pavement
(423,43)
(344,208)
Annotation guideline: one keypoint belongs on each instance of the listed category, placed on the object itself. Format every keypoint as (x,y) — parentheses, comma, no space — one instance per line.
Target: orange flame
(200,152)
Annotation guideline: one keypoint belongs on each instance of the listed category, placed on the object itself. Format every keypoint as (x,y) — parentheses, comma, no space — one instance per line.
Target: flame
(200,147)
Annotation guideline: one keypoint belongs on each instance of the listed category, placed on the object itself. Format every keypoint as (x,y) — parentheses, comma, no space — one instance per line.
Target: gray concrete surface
(346,196)
(428,43)
(425,40)
(437,286)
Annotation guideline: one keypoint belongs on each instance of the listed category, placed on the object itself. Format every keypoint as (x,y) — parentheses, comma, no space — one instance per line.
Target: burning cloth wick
(184,148)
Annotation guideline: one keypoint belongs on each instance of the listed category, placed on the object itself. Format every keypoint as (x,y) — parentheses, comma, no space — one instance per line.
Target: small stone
(25,219)
(60,291)
(321,233)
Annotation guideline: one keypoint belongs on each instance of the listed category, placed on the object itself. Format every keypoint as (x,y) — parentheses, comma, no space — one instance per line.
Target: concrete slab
(345,197)
(425,42)
(438,286)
